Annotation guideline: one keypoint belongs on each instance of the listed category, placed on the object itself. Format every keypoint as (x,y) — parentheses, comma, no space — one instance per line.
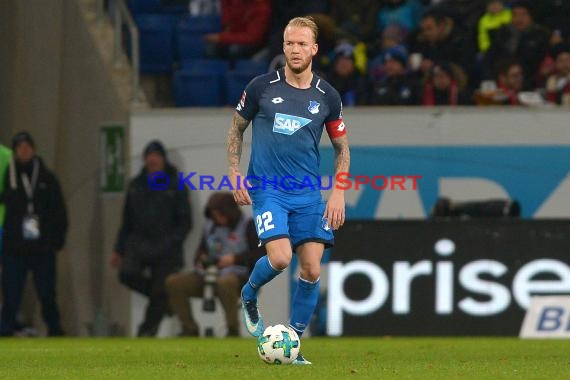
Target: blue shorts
(299,218)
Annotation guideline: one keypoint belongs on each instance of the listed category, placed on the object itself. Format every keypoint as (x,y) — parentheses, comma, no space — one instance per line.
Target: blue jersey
(287,127)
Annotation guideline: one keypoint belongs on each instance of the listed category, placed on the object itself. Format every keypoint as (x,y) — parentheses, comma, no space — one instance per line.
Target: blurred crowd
(414,52)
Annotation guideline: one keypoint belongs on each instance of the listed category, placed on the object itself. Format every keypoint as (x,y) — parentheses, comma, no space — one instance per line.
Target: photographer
(227,251)
(150,241)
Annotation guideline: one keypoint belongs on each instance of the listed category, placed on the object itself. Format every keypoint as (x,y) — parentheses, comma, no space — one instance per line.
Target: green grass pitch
(333,358)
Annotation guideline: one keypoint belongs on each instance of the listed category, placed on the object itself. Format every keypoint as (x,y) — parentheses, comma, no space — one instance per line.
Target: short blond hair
(305,22)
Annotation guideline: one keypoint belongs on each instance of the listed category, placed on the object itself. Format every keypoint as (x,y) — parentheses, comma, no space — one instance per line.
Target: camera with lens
(210,264)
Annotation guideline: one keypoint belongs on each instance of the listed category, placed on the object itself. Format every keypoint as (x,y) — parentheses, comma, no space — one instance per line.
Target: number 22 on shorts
(264,222)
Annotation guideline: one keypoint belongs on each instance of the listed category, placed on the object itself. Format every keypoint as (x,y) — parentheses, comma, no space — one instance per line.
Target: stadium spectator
(506,88)
(441,40)
(443,87)
(356,19)
(464,12)
(404,13)
(346,79)
(495,17)
(229,242)
(35,229)
(558,84)
(156,220)
(245,25)
(548,65)
(522,40)
(396,87)
(392,36)
(511,83)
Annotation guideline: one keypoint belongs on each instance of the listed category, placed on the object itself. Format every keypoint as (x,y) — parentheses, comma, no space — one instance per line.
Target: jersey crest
(314,107)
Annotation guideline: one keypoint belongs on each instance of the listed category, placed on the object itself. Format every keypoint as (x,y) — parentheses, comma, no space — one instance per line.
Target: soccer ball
(278,345)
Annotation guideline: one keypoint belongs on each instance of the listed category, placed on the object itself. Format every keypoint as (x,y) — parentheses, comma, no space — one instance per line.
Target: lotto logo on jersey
(241,104)
(288,124)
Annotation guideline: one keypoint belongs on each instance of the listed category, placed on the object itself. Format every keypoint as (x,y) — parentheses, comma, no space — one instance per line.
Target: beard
(298,69)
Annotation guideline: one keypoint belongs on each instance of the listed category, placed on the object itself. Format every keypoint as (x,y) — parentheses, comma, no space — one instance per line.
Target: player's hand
(199,263)
(241,196)
(226,261)
(334,213)
(116,260)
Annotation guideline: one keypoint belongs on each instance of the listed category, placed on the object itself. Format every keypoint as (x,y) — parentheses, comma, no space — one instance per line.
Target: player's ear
(315,49)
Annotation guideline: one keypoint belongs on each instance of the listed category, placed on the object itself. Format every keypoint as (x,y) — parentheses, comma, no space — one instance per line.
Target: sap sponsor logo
(490,297)
(547,317)
(288,124)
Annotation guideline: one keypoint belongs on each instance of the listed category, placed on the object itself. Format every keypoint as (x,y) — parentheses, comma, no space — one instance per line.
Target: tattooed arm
(335,212)
(234,147)
(342,155)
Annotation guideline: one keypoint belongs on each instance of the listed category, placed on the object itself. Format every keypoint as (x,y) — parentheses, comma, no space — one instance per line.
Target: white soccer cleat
(300,360)
(251,317)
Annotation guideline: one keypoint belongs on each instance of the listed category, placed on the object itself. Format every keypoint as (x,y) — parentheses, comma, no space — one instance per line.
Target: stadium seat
(190,35)
(220,66)
(258,67)
(144,6)
(156,42)
(201,24)
(178,7)
(198,89)
(236,80)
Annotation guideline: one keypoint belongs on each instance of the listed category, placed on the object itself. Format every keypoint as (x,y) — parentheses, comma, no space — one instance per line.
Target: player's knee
(279,262)
(310,273)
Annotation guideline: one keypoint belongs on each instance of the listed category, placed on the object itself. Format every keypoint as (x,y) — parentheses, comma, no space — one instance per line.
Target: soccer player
(289,108)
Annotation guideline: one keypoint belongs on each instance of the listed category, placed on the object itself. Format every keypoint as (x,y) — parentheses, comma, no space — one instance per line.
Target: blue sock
(304,303)
(261,274)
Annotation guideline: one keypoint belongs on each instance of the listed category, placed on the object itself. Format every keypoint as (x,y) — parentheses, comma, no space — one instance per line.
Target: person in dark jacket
(442,39)
(229,242)
(240,37)
(442,87)
(522,39)
(34,230)
(345,77)
(156,221)
(558,84)
(397,87)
